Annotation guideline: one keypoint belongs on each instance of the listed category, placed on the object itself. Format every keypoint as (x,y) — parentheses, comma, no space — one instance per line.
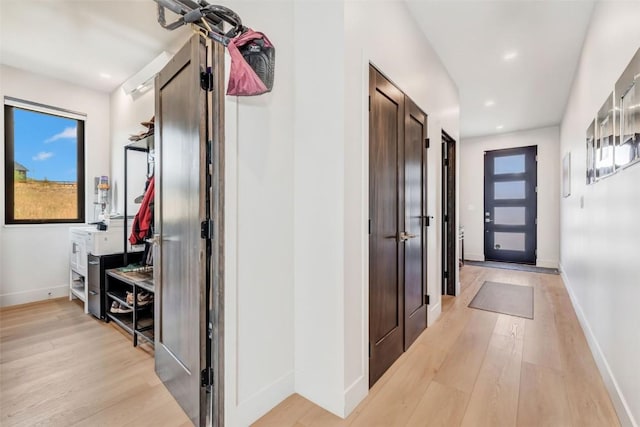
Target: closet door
(414,236)
(181,257)
(386,216)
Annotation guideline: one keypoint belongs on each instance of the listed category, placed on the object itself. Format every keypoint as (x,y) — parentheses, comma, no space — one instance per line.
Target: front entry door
(397,242)
(181,257)
(510,205)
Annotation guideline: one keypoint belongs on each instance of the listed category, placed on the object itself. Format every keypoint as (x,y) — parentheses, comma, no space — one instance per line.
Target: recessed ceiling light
(499,127)
(510,55)
(105,75)
(489,103)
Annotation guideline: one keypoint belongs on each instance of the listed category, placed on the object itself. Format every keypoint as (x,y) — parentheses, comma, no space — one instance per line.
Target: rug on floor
(515,300)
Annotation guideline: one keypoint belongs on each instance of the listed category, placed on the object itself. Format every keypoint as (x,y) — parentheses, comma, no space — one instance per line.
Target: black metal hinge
(446,162)
(206,377)
(427,299)
(369,226)
(369,102)
(206,229)
(206,80)
(445,274)
(427,143)
(369,349)
(446,218)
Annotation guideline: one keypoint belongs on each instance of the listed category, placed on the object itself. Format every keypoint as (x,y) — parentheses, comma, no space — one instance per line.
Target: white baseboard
(473,257)
(547,263)
(619,402)
(434,313)
(33,295)
(251,409)
(354,394)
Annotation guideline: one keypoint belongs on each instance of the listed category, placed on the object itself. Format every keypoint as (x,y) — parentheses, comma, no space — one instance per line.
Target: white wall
(34,261)
(331,180)
(472,189)
(600,242)
(259,239)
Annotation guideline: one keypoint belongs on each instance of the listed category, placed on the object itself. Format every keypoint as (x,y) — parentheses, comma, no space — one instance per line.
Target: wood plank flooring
(61,367)
(477,368)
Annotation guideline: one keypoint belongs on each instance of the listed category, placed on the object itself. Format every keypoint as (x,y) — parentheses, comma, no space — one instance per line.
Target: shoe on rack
(144,298)
(115,306)
(118,308)
(129,298)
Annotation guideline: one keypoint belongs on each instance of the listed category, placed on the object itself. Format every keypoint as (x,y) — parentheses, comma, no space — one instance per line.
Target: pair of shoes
(118,308)
(144,298)
(129,298)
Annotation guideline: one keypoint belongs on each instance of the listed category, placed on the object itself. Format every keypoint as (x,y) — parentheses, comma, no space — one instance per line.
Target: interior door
(510,205)
(386,216)
(449,232)
(181,258)
(415,222)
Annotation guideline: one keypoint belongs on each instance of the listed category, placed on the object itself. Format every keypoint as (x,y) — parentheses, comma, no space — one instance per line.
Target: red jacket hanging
(144,218)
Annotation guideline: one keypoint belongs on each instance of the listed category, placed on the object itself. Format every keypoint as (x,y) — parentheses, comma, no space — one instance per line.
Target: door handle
(93,293)
(488,220)
(94,262)
(404,236)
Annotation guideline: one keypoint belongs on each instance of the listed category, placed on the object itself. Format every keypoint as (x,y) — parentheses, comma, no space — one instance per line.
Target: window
(44,164)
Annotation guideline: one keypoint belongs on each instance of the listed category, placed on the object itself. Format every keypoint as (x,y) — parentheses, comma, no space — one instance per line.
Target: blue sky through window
(46,145)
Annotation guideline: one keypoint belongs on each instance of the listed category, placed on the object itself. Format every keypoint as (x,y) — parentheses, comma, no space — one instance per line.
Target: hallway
(477,368)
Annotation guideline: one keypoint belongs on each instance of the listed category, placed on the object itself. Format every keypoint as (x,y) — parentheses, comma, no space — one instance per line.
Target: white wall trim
(355,393)
(547,263)
(261,402)
(473,257)
(434,313)
(34,295)
(617,397)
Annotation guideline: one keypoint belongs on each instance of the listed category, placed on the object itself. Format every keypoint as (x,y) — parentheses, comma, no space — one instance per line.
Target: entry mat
(504,298)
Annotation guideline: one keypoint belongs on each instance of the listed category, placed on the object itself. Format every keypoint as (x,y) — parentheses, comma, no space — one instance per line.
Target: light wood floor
(60,367)
(477,368)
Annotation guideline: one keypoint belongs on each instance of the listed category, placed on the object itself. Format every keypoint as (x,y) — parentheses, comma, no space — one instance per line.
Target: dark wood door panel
(415,309)
(386,320)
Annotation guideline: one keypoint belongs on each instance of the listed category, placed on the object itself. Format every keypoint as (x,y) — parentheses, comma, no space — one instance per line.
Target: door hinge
(369,349)
(209,152)
(536,188)
(446,218)
(427,220)
(427,143)
(445,162)
(369,226)
(427,299)
(369,102)
(206,229)
(206,377)
(206,80)
(445,274)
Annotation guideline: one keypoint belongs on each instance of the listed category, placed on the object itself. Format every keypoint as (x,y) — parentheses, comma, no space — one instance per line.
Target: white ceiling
(77,40)
(530,90)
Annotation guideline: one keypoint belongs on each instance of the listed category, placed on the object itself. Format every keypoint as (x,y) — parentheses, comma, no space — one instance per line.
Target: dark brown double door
(397,223)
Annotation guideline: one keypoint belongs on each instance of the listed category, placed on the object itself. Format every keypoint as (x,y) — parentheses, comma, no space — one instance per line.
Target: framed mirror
(605,136)
(591,153)
(627,150)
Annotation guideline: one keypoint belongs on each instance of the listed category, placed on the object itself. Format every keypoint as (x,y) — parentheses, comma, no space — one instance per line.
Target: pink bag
(252,64)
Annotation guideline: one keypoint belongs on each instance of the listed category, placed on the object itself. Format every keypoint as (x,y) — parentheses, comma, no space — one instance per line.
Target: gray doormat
(504,298)
(512,266)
